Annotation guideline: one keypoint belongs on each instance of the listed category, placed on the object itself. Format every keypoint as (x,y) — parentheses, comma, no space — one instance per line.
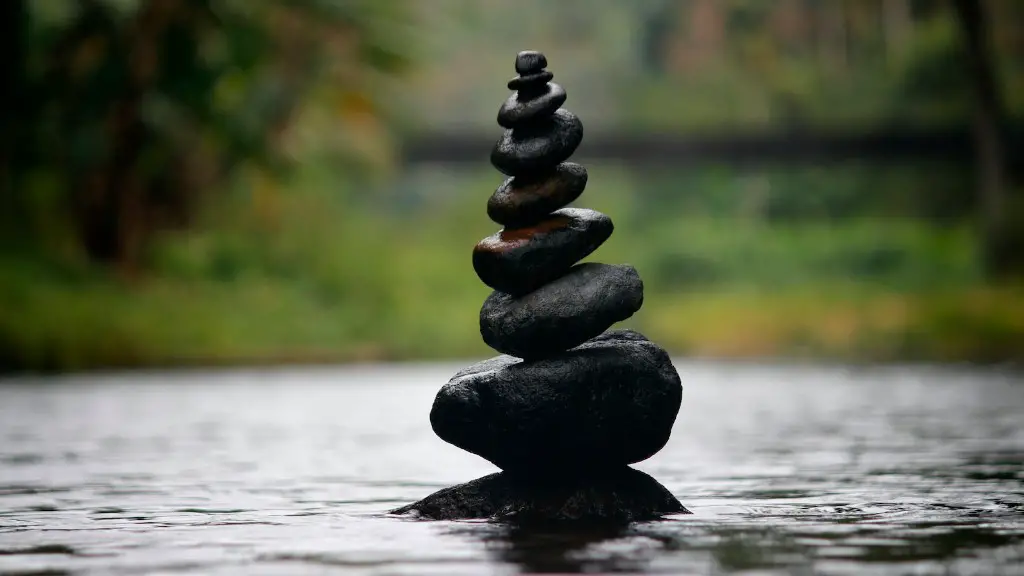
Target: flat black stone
(607,403)
(517,110)
(563,313)
(623,495)
(530,82)
(519,260)
(524,201)
(539,146)
(530,61)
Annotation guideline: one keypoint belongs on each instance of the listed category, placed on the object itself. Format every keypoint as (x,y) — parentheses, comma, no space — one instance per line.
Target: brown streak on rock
(509,239)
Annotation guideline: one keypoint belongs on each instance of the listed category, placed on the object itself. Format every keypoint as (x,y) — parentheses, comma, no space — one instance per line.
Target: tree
(987,121)
(129,112)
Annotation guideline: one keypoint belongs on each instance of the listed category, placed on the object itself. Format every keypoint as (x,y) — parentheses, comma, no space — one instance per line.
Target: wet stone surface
(530,62)
(531,82)
(524,201)
(518,110)
(538,146)
(621,495)
(609,402)
(561,314)
(566,412)
(519,260)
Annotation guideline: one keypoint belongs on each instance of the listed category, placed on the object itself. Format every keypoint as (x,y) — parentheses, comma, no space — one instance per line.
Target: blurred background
(203,182)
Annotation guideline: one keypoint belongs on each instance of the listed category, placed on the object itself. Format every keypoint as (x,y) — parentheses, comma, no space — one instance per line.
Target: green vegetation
(214,181)
(302,273)
(122,117)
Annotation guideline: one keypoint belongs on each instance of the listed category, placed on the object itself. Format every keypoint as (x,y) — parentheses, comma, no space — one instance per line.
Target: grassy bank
(311,273)
(98,324)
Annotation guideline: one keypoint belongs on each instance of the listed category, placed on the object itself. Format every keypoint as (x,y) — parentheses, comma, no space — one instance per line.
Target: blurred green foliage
(123,115)
(714,65)
(213,181)
(322,280)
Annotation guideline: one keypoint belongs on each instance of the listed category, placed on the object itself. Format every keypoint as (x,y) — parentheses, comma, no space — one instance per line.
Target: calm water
(787,470)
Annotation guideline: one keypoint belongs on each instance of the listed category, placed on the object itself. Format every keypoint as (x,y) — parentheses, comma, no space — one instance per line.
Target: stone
(530,82)
(522,201)
(563,313)
(516,111)
(530,62)
(609,402)
(621,496)
(538,146)
(518,260)
(567,407)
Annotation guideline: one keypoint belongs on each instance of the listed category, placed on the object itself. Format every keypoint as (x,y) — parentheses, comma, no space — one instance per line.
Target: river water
(788,470)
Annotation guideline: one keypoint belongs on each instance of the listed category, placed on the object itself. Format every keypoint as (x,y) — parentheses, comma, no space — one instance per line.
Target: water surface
(788,470)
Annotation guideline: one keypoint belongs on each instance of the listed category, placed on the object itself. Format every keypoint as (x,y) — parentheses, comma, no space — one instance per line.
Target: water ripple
(787,470)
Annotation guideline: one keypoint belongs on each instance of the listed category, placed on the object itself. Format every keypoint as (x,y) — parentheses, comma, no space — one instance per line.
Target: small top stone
(530,61)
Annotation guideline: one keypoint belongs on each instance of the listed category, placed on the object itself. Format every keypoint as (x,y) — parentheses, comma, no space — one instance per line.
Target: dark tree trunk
(115,215)
(12,112)
(990,161)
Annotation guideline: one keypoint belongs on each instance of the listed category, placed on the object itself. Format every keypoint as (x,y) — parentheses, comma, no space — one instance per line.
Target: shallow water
(788,470)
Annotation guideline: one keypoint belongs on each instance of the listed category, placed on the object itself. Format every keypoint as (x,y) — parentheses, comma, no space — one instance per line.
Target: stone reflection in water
(567,549)
(569,406)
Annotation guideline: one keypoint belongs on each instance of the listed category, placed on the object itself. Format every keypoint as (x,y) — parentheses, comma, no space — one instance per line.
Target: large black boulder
(523,201)
(539,145)
(518,260)
(620,495)
(605,404)
(564,313)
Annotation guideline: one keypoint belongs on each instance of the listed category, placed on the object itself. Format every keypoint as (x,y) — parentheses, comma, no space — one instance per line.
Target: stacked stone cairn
(567,406)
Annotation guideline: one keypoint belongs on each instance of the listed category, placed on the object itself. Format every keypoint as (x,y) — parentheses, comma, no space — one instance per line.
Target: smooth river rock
(610,402)
(519,260)
(538,146)
(562,314)
(530,82)
(518,110)
(523,201)
(530,62)
(623,495)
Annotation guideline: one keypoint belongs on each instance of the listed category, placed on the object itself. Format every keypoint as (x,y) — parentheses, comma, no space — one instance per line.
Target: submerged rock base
(620,495)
